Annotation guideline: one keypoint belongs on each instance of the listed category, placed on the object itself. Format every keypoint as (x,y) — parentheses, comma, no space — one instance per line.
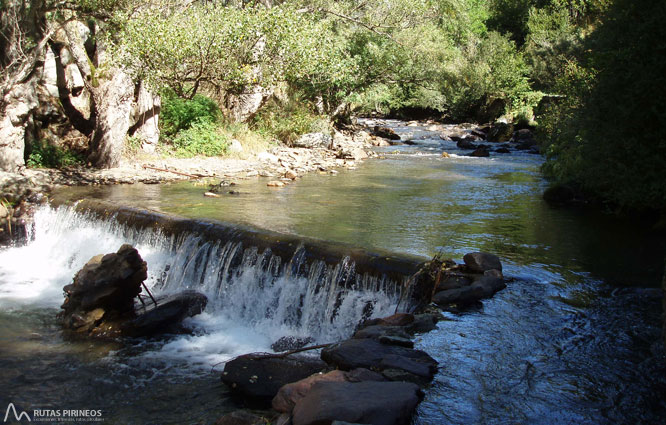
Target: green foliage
(44,155)
(286,121)
(180,114)
(201,138)
(608,138)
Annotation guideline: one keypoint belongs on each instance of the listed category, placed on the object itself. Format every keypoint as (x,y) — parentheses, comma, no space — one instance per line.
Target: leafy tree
(614,146)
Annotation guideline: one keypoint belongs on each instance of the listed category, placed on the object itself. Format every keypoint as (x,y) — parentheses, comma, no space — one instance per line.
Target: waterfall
(255,296)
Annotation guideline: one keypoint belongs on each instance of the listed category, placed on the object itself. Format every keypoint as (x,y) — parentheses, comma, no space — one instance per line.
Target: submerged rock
(259,377)
(377,403)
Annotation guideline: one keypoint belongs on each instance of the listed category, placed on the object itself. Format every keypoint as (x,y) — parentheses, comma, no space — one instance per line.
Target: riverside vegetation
(90,80)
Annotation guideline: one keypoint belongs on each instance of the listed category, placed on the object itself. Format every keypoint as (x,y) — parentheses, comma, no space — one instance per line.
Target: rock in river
(101,300)
(377,403)
(371,354)
(479,262)
(485,287)
(260,377)
(167,314)
(292,393)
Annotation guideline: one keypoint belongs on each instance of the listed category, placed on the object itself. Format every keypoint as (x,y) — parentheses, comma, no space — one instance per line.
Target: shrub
(201,138)
(288,120)
(180,114)
(44,155)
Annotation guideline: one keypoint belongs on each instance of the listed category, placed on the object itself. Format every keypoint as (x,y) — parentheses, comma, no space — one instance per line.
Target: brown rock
(377,403)
(290,394)
(275,183)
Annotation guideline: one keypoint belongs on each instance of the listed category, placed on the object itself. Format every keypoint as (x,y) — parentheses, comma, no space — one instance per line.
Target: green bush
(44,155)
(180,114)
(201,138)
(287,121)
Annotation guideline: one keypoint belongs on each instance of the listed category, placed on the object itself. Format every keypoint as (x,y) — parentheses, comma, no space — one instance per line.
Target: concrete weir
(378,264)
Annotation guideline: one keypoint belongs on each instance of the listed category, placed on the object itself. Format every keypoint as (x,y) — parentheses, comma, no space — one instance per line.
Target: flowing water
(575,339)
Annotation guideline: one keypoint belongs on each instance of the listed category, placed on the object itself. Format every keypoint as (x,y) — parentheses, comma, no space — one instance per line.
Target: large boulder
(107,286)
(479,262)
(500,132)
(371,354)
(259,377)
(377,403)
(292,393)
(313,140)
(101,302)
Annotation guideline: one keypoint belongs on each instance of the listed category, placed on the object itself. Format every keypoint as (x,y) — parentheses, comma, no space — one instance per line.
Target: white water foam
(254,298)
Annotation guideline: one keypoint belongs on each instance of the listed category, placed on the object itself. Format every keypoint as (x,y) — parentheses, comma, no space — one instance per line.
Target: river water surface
(575,339)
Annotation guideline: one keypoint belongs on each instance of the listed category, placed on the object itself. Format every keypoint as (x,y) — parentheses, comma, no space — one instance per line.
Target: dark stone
(378,331)
(241,417)
(480,152)
(523,134)
(500,132)
(287,343)
(479,262)
(478,132)
(502,150)
(260,377)
(466,144)
(167,315)
(398,319)
(386,133)
(485,287)
(489,285)
(110,282)
(396,340)
(370,354)
(453,281)
(422,323)
(394,361)
(377,403)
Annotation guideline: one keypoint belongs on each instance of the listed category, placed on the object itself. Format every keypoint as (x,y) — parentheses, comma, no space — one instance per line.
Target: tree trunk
(146,119)
(114,100)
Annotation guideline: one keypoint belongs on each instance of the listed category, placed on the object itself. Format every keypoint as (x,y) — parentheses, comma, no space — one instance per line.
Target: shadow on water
(574,340)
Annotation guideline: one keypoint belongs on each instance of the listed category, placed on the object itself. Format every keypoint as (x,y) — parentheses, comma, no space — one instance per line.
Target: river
(574,339)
